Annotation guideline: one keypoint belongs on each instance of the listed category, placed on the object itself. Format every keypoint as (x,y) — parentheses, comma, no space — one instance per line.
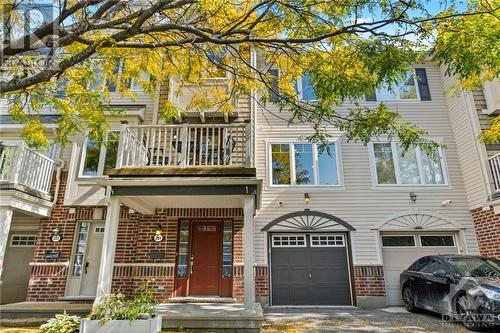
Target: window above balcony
(303,164)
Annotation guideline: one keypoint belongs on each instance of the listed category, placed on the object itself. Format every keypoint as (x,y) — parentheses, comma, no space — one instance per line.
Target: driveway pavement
(298,320)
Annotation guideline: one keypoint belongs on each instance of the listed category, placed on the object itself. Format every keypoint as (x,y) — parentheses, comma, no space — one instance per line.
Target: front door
(86,259)
(205,259)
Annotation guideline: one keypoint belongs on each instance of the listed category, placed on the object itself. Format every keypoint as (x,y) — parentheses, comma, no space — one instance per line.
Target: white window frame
(327,235)
(436,246)
(102,156)
(291,152)
(395,161)
(398,93)
(300,91)
(289,235)
(11,243)
(398,247)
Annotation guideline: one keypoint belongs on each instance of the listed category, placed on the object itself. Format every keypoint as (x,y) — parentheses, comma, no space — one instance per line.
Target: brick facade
(369,280)
(487,226)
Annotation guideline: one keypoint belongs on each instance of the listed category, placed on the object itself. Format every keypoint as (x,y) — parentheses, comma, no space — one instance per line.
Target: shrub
(116,307)
(62,323)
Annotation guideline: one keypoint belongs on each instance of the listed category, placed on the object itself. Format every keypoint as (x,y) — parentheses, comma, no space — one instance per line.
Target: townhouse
(234,206)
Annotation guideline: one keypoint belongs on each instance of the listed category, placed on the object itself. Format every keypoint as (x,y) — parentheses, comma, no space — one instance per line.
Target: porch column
(248,252)
(5,221)
(105,276)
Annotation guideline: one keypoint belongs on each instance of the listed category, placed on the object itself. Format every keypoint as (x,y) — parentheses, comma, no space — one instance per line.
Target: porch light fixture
(56,234)
(158,237)
(413,196)
(306,198)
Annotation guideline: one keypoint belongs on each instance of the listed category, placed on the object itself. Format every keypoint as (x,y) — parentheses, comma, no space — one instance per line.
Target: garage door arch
(310,259)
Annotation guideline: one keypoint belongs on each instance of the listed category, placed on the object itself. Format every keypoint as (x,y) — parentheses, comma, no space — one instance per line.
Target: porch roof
(146,194)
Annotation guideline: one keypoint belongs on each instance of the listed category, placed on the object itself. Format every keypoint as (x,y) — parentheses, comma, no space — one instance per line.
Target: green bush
(117,307)
(62,323)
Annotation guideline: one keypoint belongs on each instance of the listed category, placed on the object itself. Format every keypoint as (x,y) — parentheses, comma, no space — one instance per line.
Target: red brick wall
(487,226)
(369,280)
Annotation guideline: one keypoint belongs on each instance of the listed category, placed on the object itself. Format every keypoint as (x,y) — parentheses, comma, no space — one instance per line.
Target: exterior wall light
(306,198)
(56,234)
(413,196)
(158,237)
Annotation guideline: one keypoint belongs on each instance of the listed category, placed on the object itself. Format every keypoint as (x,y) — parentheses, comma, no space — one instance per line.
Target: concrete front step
(211,317)
(192,299)
(43,309)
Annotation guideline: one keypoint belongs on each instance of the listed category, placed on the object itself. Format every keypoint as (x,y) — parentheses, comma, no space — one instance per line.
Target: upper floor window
(305,89)
(97,160)
(100,80)
(391,167)
(414,86)
(402,90)
(304,164)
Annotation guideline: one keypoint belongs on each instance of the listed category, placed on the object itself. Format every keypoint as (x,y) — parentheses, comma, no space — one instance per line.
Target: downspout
(58,180)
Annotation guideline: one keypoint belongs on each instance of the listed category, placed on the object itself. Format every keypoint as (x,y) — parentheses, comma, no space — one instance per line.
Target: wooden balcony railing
(20,165)
(184,145)
(495,172)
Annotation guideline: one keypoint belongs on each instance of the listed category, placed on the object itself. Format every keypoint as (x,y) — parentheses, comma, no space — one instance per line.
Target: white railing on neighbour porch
(495,171)
(184,145)
(24,166)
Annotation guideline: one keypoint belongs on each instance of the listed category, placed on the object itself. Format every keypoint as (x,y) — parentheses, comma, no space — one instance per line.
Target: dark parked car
(465,288)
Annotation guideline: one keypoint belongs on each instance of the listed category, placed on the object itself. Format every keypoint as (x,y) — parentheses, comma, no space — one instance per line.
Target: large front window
(304,164)
(99,159)
(414,167)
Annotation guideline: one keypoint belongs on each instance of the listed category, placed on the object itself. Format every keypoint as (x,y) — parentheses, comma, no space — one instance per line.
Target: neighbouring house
(471,113)
(234,207)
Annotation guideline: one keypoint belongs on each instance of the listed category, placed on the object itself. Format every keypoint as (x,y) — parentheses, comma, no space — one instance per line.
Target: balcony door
(82,280)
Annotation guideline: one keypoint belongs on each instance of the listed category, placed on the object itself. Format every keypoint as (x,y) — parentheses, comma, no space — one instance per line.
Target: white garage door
(402,249)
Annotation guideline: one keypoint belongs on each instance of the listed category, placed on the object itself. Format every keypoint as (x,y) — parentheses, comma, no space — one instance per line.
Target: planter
(152,325)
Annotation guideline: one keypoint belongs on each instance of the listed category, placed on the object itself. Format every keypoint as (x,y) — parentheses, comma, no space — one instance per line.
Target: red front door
(206,259)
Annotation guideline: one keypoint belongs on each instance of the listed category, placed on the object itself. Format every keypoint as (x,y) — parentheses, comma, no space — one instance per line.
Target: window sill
(411,187)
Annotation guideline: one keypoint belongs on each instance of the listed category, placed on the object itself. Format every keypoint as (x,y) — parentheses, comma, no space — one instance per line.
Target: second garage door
(310,269)
(402,249)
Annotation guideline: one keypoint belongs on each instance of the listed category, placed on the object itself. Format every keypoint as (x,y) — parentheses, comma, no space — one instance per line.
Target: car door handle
(310,275)
(428,282)
(412,278)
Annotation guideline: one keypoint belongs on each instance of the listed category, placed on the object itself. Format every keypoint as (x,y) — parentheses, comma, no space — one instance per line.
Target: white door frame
(78,285)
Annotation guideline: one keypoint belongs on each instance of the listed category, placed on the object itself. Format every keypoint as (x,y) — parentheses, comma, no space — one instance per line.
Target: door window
(182,256)
(288,241)
(327,240)
(437,240)
(79,255)
(227,249)
(398,241)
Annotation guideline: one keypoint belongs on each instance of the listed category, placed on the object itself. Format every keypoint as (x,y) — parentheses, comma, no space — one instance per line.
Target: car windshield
(476,267)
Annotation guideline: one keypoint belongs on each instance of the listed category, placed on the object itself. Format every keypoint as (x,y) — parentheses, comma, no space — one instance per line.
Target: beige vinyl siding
(466,139)
(358,201)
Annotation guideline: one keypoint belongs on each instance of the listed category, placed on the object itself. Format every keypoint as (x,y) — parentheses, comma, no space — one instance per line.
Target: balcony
(186,149)
(23,167)
(492,97)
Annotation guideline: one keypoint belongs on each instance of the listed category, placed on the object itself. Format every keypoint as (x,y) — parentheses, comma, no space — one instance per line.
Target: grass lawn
(19,330)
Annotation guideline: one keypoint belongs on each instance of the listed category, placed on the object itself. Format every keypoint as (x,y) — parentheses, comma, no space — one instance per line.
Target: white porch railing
(495,171)
(184,145)
(24,166)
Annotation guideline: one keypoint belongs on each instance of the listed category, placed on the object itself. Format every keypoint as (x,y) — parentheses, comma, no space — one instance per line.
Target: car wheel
(409,300)
(466,313)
